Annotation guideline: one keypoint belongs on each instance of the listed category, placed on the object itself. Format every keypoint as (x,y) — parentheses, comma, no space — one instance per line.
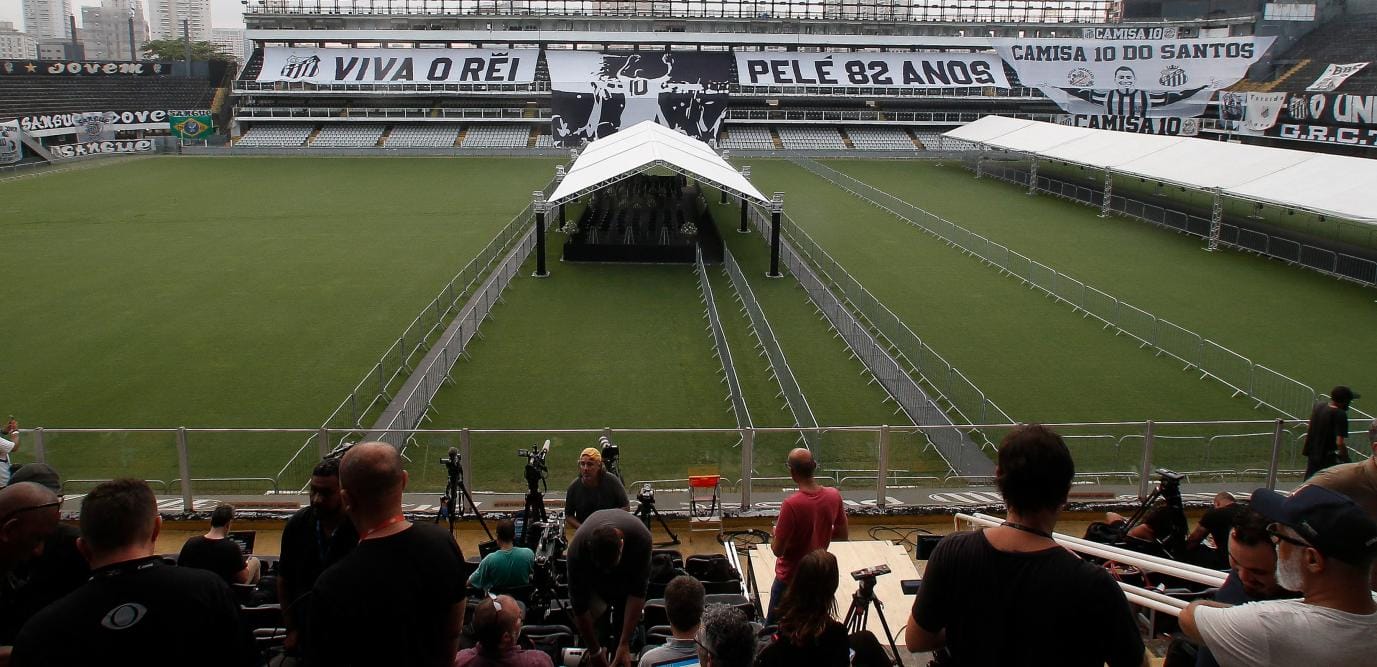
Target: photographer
(609,568)
(593,490)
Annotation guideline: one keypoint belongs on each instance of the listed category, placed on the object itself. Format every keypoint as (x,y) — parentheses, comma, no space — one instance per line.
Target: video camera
(646,495)
(869,573)
(1169,484)
(537,470)
(610,457)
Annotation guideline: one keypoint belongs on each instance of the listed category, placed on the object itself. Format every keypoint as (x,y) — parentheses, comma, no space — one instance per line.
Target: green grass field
(254,292)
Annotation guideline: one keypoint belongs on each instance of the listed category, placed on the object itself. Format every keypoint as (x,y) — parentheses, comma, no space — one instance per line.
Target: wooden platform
(853,556)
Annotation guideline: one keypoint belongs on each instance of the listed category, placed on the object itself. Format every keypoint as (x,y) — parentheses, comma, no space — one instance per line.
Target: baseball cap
(1327,519)
(40,473)
(591,453)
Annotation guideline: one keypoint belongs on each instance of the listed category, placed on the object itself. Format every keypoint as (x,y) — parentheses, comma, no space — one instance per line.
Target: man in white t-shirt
(1326,545)
(9,440)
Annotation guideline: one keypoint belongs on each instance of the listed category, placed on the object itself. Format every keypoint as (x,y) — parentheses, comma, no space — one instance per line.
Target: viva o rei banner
(1133,76)
(331,66)
(916,70)
(596,94)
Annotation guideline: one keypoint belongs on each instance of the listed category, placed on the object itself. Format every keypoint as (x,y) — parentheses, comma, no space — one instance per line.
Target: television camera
(858,615)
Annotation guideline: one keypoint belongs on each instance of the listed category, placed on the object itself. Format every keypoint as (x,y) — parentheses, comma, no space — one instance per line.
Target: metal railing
(1260,383)
(988,93)
(69,450)
(262,87)
(780,371)
(958,450)
(402,113)
(1324,260)
(721,349)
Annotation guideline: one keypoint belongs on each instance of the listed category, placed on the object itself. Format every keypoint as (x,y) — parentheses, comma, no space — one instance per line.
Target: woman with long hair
(808,632)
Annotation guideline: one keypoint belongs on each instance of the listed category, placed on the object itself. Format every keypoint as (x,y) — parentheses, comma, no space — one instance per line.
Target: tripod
(645,510)
(451,505)
(859,613)
(534,509)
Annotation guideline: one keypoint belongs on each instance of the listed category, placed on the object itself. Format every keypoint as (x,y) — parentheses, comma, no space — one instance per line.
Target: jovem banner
(95,125)
(914,70)
(331,66)
(82,68)
(98,147)
(1131,77)
(596,94)
(1184,127)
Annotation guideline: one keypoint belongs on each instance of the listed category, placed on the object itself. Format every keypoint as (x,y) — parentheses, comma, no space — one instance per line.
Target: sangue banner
(1174,77)
(64,151)
(330,66)
(913,70)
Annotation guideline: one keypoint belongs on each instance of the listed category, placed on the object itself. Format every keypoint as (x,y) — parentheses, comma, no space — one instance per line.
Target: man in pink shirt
(808,520)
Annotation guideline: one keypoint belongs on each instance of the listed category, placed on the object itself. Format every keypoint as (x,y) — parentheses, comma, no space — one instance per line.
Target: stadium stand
(438,135)
(349,136)
(496,136)
(21,96)
(811,138)
(750,137)
(277,135)
(1332,43)
(545,140)
(880,139)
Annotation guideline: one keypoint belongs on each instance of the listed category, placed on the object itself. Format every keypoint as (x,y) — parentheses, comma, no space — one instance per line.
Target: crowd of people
(358,583)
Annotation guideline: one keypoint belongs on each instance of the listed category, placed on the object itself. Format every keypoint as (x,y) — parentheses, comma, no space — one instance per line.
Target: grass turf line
(1293,320)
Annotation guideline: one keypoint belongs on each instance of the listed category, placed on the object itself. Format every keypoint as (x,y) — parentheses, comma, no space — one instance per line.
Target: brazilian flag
(192,127)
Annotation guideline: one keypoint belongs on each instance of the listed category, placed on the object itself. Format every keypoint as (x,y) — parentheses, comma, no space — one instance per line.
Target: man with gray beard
(1326,545)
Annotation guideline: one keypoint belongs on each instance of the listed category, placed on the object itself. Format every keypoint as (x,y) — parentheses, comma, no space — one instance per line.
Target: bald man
(808,520)
(28,516)
(497,626)
(398,597)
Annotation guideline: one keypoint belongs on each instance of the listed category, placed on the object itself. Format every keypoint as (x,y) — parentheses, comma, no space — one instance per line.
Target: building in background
(230,41)
(60,49)
(47,19)
(166,16)
(16,45)
(105,30)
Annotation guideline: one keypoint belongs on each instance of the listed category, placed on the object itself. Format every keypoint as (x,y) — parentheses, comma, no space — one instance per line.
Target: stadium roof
(1326,184)
(645,146)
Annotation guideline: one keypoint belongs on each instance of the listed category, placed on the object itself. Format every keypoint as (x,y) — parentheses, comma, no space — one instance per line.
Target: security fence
(1324,260)
(720,348)
(764,334)
(1262,384)
(1119,457)
(957,448)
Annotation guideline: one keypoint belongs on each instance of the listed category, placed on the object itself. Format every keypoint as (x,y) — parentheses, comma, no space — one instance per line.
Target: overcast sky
(223,13)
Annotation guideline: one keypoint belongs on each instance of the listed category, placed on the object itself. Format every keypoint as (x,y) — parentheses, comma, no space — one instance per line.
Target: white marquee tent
(643,147)
(1342,187)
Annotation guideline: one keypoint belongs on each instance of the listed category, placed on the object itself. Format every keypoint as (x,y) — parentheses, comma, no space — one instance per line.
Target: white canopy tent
(645,146)
(1324,184)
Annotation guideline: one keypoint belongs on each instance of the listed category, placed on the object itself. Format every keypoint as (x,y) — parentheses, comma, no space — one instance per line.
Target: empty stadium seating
(545,141)
(880,138)
(747,137)
(1332,43)
(22,96)
(430,135)
(276,136)
(811,138)
(496,136)
(349,135)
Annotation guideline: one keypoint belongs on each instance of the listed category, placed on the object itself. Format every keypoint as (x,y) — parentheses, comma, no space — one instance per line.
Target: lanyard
(1028,529)
(396,519)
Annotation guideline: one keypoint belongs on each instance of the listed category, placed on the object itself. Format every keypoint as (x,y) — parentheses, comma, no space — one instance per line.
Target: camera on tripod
(646,495)
(868,574)
(610,457)
(537,470)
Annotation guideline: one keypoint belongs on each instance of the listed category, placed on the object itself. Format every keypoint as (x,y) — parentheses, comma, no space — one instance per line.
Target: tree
(175,49)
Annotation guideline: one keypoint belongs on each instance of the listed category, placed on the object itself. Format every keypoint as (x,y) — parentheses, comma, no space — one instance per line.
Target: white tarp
(916,70)
(1333,185)
(646,145)
(1131,77)
(330,66)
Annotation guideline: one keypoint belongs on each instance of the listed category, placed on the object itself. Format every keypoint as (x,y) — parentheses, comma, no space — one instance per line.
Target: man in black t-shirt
(29,579)
(215,552)
(609,567)
(991,597)
(594,489)
(316,537)
(1216,523)
(134,609)
(398,598)
(1327,433)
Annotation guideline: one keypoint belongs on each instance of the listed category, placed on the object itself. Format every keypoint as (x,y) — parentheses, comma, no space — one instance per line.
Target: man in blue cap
(1326,545)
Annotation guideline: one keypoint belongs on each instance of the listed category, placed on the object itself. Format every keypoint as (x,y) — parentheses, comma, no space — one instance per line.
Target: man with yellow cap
(592,490)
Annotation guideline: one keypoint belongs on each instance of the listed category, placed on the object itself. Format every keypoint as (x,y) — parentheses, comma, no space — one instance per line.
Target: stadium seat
(429,135)
(747,137)
(349,135)
(880,139)
(496,136)
(276,135)
(811,138)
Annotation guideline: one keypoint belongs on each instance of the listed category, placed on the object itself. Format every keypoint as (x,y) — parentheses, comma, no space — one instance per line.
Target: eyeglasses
(703,646)
(1274,529)
(5,519)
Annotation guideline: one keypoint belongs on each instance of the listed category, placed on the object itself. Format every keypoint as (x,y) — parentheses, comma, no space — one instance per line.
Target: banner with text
(1130,77)
(331,66)
(596,94)
(82,68)
(1334,76)
(1332,118)
(914,70)
(99,125)
(11,148)
(64,151)
(1169,126)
